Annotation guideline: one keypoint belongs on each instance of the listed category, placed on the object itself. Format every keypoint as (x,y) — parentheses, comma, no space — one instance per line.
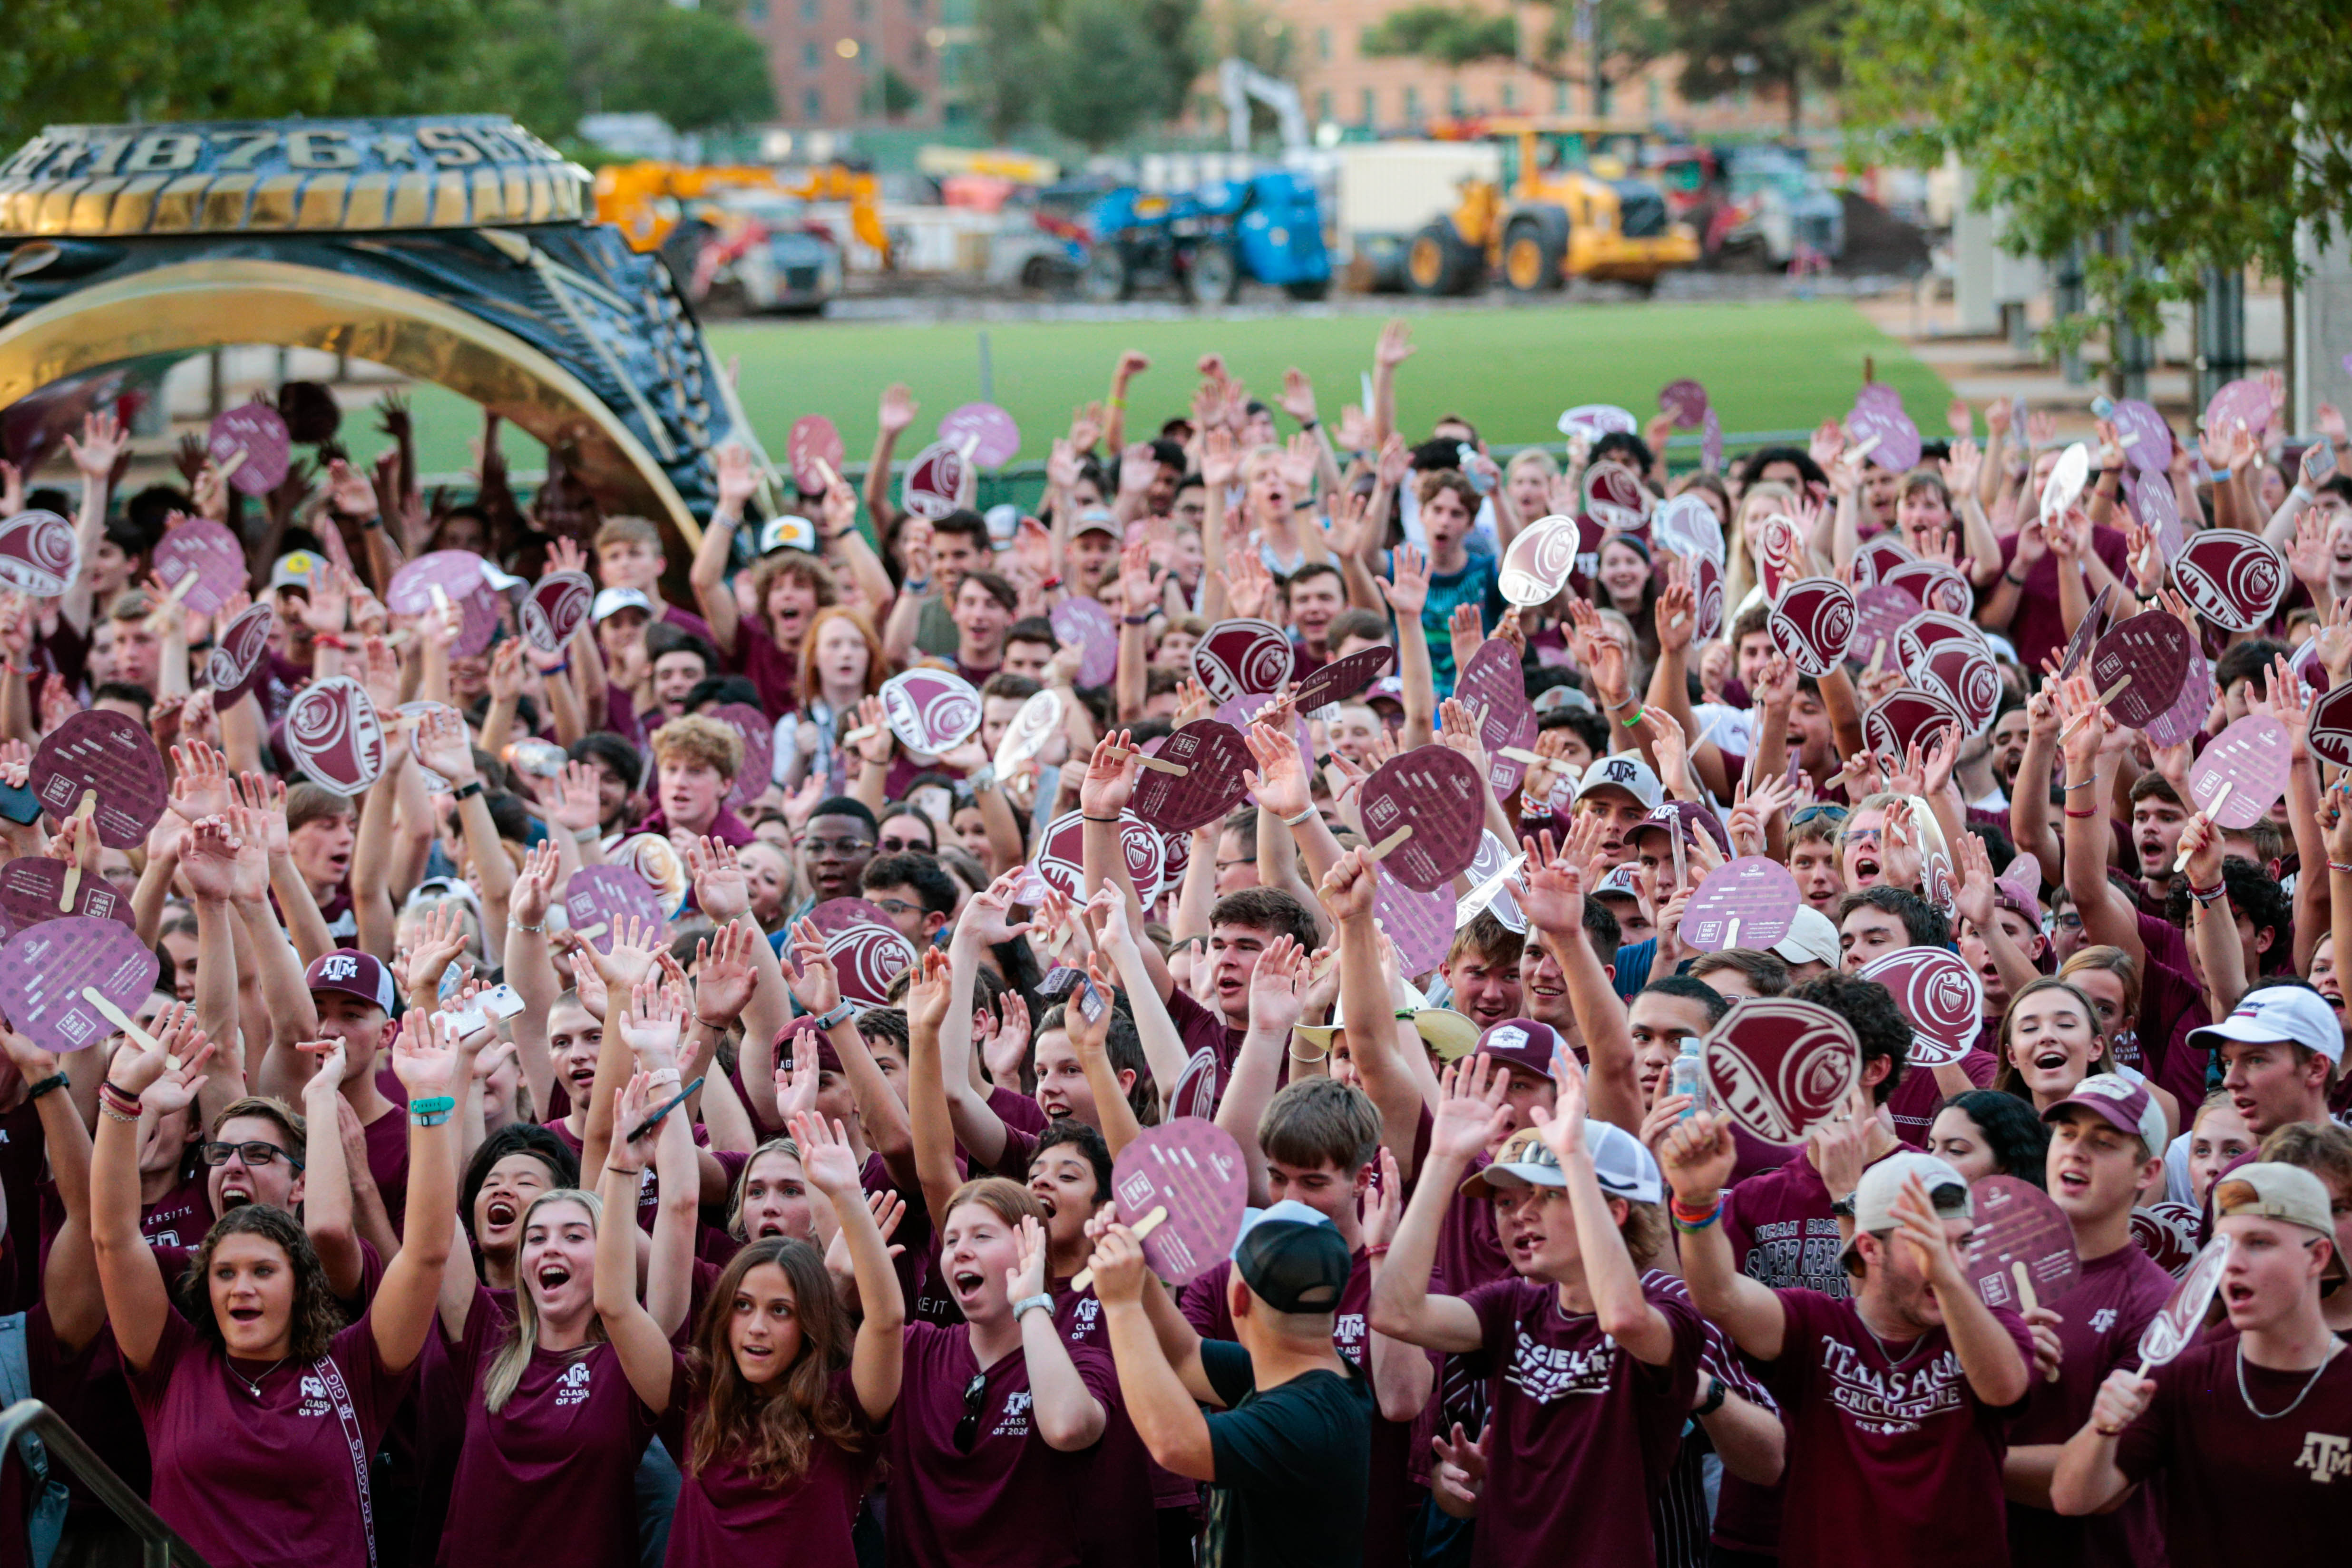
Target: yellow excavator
(645,199)
(740,236)
(1567,206)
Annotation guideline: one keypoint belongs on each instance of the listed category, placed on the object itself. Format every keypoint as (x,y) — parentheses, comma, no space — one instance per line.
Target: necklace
(253,1384)
(2308,1383)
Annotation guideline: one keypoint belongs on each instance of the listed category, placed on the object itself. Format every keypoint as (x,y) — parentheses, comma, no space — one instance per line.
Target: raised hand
(1407,591)
(651,1025)
(1471,1110)
(897,408)
(1277,990)
(633,1103)
(444,746)
(631,958)
(720,885)
(199,781)
(798,1080)
(424,1056)
(1109,782)
(833,1169)
(810,972)
(1350,889)
(1279,780)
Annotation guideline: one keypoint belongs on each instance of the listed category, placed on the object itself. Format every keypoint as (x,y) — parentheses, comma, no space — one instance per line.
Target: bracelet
(467,790)
(110,1093)
(2085,784)
(424,1119)
(557,669)
(2012,581)
(2086,811)
(2332,865)
(842,1011)
(1135,620)
(1050,582)
(612,1169)
(1636,719)
(1295,821)
(1382,1250)
(1317,1057)
(586,836)
(538,930)
(1114,402)
(56,1081)
(434,1105)
(1303,505)
(1038,1303)
(2206,895)
(107,1109)
(917,585)
(720,1028)
(1690,1220)
(1095,819)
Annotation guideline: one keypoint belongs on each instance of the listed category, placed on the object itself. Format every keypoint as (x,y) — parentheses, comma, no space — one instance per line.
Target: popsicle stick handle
(73,885)
(400,722)
(161,616)
(1177,769)
(2024,1285)
(118,1018)
(1141,1229)
(585,932)
(855,736)
(2220,798)
(1519,753)
(824,472)
(1380,850)
(440,599)
(2105,698)
(1865,448)
(235,462)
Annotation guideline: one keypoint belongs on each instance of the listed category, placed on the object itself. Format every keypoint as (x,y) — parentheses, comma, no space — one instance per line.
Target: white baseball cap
(612,600)
(2289,1013)
(1811,940)
(1625,770)
(787,532)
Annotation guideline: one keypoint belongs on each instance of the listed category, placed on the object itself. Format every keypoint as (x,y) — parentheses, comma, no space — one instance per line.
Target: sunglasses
(967,1430)
(254,1155)
(901,846)
(1803,814)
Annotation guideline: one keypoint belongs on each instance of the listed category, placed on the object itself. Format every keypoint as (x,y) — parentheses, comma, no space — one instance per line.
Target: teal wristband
(438,1105)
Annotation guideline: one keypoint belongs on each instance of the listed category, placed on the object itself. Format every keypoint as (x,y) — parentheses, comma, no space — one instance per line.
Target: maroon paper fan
(333,733)
(2166,1233)
(1813,624)
(1880,555)
(759,733)
(2147,440)
(599,898)
(1898,439)
(1922,633)
(1706,589)
(1876,394)
(1423,813)
(1777,1067)
(109,759)
(2182,1320)
(931,710)
(1614,497)
(1750,902)
(210,553)
(1196,1091)
(2086,632)
(2243,400)
(1934,585)
(237,658)
(1241,658)
(1190,1172)
(1420,924)
(457,573)
(2158,511)
(1060,850)
(33,890)
(2022,1248)
(2331,726)
(1175,859)
(1060,855)
(1880,613)
(2154,649)
(1942,996)
(934,481)
(2233,578)
(1093,631)
(813,441)
(1710,442)
(554,608)
(1213,755)
(866,950)
(252,436)
(1495,687)
(2253,757)
(1907,714)
(1541,559)
(1687,526)
(1969,678)
(1781,555)
(60,980)
(990,431)
(1686,401)
(39,554)
(2184,721)
(1343,678)
(1241,712)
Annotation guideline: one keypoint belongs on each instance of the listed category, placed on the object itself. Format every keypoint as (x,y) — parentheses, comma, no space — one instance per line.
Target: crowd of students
(694,1258)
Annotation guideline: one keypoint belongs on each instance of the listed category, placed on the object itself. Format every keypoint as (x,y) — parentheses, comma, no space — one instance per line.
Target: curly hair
(1877,1022)
(317,1316)
(770,1429)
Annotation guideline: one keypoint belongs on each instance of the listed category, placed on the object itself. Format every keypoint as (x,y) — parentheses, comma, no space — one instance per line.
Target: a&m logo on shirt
(314,1396)
(2326,1456)
(1887,1401)
(571,1388)
(1016,1422)
(1544,1373)
(2104,1318)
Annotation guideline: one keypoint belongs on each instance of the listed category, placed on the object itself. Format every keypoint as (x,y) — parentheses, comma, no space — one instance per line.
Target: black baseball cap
(1293,1259)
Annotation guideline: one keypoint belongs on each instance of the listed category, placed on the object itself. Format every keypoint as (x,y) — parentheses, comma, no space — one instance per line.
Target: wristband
(2085,784)
(2339,865)
(983,777)
(467,790)
(1115,402)
(2086,811)
(718,1028)
(120,1099)
(1380,1250)
(586,836)
(2206,895)
(1687,1219)
(2012,581)
(56,1081)
(1033,1303)
(1091,817)
(1842,1208)
(1306,504)
(1049,582)
(435,1105)
(1295,821)
(1636,719)
(557,669)
(1317,1056)
(106,1108)
(842,1011)
(1309,424)
(1716,1391)
(1135,620)
(538,930)
(917,585)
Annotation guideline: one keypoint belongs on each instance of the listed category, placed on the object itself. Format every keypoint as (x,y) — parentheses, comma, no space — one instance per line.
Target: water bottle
(1687,1075)
(2103,407)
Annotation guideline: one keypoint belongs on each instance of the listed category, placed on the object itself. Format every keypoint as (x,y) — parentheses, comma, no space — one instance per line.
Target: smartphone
(2318,461)
(500,1001)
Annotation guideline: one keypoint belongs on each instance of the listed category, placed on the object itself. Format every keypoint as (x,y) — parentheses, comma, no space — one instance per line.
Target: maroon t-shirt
(180,1218)
(1007,1503)
(2240,1491)
(267,1479)
(1885,1442)
(1078,1316)
(552,1474)
(2102,1318)
(728,1518)
(776,673)
(1581,1427)
(2038,627)
(1202,1027)
(1914,1101)
(388,1157)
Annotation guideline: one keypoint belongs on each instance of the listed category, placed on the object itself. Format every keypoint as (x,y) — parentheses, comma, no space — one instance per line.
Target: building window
(1453,99)
(1322,105)
(808,55)
(1559,97)
(812,105)
(1322,43)
(1413,106)
(1371,114)
(1510,96)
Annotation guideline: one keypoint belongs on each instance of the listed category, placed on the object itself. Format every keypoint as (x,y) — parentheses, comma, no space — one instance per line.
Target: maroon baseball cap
(352,973)
(1522,1043)
(827,1059)
(1690,817)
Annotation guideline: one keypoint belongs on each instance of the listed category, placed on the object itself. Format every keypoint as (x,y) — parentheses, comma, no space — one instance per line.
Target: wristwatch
(1715,1396)
(1843,1206)
(1026,1304)
(841,1014)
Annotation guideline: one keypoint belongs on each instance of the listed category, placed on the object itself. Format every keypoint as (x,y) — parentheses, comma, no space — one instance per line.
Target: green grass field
(1776,366)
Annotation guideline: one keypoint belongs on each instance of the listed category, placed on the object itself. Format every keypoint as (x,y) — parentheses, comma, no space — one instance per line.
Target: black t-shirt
(1292,1466)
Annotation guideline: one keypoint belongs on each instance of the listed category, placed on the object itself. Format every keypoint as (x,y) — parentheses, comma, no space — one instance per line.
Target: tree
(1629,34)
(1727,45)
(1095,82)
(697,69)
(2205,134)
(1093,69)
(892,97)
(1452,35)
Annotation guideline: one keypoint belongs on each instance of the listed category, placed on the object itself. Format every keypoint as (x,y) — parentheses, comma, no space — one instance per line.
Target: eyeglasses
(836,846)
(967,1431)
(2070,921)
(903,846)
(897,906)
(254,1153)
(1803,814)
(1859,836)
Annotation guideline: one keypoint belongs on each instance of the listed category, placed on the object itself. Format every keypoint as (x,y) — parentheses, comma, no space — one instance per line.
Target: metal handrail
(160,1545)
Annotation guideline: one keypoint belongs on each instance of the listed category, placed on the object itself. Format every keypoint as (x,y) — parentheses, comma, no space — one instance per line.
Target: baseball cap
(1523,1043)
(1292,1259)
(612,600)
(1097,520)
(1625,1169)
(1882,1184)
(2273,1191)
(1618,883)
(2278,1012)
(787,532)
(351,973)
(296,569)
(1449,1033)
(2124,1106)
(1623,771)
(1554,698)
(827,1059)
(1388,688)
(1687,816)
(1811,940)
(1004,521)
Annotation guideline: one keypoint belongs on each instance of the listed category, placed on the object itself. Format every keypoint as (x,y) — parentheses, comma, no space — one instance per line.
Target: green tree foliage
(1094,70)
(1453,35)
(546,62)
(2204,131)
(893,96)
(1726,45)
(1630,33)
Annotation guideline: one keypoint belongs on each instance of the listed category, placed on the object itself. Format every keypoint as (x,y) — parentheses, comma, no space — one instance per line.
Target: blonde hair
(507,1367)
(696,740)
(1767,496)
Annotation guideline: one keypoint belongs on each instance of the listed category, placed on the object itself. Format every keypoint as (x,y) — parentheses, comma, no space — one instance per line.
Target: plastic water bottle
(1686,1074)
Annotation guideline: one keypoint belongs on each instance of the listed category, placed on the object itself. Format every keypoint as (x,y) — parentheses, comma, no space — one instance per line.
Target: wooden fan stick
(2105,698)
(73,867)
(2220,798)
(1139,1230)
(122,1020)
